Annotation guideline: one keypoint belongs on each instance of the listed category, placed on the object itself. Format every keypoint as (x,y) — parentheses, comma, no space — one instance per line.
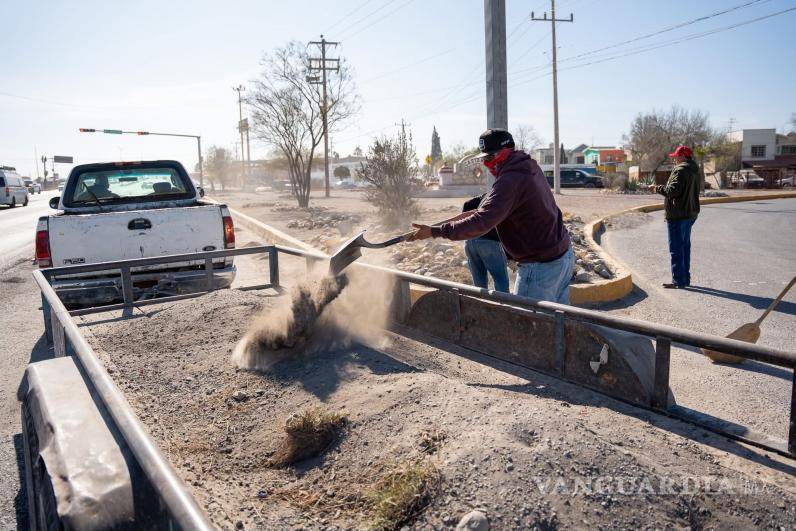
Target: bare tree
(526,138)
(654,135)
(391,169)
(457,152)
(286,110)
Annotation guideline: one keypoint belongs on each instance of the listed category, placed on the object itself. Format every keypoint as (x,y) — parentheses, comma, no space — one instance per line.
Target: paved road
(743,254)
(18,227)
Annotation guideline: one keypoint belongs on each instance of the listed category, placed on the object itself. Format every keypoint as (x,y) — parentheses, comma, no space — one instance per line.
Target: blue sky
(170,66)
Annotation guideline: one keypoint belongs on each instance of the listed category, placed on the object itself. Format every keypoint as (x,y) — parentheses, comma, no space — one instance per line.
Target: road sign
(428,160)
(112,131)
(62,159)
(243,125)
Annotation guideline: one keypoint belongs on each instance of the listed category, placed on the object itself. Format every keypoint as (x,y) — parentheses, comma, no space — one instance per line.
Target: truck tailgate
(112,236)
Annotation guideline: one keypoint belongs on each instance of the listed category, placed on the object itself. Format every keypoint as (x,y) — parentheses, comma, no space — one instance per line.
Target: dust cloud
(320,313)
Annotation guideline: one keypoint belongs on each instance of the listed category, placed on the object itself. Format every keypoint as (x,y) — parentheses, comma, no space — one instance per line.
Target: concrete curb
(622,285)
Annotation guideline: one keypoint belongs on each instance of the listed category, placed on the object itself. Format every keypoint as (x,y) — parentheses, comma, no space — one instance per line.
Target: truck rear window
(128,185)
(2,181)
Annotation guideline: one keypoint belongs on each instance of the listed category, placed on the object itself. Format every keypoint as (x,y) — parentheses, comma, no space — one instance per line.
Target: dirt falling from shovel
(320,313)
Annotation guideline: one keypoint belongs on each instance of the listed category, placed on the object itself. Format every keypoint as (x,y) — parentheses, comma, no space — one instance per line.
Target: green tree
(342,172)
(436,148)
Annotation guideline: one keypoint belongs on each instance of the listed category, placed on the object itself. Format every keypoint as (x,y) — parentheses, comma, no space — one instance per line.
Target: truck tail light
(229,233)
(43,257)
(8,190)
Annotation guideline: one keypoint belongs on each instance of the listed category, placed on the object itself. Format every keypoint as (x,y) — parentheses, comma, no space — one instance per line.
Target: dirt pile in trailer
(319,312)
(347,436)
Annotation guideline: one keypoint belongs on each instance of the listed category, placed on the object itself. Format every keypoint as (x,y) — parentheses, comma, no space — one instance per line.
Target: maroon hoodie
(522,209)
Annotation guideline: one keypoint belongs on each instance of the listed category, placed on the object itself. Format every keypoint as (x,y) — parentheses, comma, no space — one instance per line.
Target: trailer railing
(64,334)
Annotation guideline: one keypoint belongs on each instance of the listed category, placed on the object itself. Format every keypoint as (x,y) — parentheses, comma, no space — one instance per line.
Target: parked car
(576,178)
(12,189)
(32,186)
(345,184)
(787,182)
(126,210)
(747,179)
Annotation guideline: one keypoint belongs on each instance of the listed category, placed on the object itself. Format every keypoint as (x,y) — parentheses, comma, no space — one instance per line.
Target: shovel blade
(346,254)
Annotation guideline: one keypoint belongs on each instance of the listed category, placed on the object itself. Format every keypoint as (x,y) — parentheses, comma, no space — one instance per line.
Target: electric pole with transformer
(556,143)
(323,68)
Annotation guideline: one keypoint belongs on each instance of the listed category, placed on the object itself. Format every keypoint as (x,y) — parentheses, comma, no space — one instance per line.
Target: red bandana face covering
(497,160)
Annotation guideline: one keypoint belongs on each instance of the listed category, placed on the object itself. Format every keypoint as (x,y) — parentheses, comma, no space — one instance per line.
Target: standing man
(521,207)
(682,208)
(485,254)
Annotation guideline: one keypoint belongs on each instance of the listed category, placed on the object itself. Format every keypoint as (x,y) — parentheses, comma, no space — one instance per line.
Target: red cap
(682,151)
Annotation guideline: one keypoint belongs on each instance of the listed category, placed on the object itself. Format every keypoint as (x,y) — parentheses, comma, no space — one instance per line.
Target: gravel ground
(21,342)
(528,451)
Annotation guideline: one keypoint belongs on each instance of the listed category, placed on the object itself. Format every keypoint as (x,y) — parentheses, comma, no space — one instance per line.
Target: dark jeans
(487,255)
(680,250)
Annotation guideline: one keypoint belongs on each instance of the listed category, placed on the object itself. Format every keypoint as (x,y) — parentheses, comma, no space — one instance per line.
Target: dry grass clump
(401,493)
(309,433)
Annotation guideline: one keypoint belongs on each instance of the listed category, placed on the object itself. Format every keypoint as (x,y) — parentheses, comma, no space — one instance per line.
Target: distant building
(602,155)
(772,156)
(576,155)
(544,155)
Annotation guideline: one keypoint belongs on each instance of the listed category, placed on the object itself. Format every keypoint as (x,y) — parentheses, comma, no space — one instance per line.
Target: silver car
(12,188)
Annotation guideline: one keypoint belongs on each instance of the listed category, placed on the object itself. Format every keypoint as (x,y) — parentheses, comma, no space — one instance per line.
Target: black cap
(493,140)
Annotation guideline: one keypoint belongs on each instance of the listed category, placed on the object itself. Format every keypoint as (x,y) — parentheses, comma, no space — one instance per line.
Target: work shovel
(350,251)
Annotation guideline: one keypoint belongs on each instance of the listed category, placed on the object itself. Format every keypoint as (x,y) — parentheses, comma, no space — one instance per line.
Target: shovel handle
(776,301)
(393,241)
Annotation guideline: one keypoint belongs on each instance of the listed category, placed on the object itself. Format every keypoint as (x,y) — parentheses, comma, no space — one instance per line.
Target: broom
(749,332)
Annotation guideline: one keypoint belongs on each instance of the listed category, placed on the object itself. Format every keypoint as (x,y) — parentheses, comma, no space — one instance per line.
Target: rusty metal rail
(64,334)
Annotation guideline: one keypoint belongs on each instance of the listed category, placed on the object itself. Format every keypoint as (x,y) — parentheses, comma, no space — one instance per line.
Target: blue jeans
(487,255)
(548,281)
(680,250)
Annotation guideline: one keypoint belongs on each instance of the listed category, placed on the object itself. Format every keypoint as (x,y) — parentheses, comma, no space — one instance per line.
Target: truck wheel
(42,504)
(588,185)
(26,201)
(13,202)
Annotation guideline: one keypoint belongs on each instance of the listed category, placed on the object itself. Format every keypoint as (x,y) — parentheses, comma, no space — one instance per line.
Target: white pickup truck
(124,210)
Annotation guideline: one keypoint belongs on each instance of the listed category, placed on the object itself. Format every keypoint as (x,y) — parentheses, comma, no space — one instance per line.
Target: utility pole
(556,153)
(322,44)
(497,115)
(239,89)
(44,165)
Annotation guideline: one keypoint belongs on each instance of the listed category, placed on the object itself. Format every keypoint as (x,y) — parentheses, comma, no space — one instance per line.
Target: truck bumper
(146,285)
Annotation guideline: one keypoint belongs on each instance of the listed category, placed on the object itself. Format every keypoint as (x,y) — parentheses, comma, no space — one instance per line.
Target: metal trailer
(112,475)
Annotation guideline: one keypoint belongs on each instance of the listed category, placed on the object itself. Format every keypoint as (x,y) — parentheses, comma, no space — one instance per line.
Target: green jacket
(682,191)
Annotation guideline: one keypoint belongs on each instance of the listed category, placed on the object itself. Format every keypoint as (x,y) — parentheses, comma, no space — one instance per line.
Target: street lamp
(143,133)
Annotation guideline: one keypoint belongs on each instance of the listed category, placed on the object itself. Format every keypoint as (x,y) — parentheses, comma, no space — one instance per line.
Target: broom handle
(776,301)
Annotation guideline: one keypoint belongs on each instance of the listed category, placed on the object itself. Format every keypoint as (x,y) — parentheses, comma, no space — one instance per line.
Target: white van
(12,189)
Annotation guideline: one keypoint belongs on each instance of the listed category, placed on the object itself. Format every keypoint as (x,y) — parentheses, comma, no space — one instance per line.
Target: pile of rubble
(438,258)
(342,222)
(588,265)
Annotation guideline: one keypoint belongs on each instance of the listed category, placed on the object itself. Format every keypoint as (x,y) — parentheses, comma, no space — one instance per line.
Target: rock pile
(332,220)
(588,265)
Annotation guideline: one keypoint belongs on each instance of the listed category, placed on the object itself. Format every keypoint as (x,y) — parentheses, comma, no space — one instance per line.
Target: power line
(348,38)
(370,14)
(410,65)
(360,6)
(670,28)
